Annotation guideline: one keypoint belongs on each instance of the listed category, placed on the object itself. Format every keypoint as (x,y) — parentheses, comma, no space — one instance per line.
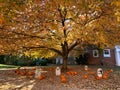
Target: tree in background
(58,25)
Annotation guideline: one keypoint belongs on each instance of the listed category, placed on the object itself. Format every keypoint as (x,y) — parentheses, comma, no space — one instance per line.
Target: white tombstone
(99,72)
(58,71)
(37,72)
(86,67)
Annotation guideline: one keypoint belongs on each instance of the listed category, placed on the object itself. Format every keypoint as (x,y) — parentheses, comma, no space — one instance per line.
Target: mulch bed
(9,80)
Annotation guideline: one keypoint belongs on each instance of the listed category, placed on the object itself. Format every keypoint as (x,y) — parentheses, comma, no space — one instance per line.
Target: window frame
(108,53)
(97,52)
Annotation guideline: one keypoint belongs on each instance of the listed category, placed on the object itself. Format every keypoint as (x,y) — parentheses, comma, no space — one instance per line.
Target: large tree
(58,25)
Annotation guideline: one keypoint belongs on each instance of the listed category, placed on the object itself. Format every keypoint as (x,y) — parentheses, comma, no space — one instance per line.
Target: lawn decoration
(58,71)
(111,70)
(41,77)
(98,78)
(31,73)
(17,71)
(86,68)
(63,79)
(85,76)
(104,76)
(99,72)
(38,72)
(72,73)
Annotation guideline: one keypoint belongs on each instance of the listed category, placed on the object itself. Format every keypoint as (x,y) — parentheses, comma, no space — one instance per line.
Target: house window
(106,52)
(95,53)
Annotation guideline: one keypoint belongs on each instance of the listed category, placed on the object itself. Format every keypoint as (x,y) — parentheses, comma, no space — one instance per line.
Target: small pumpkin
(41,77)
(98,78)
(63,80)
(104,76)
(31,73)
(62,76)
(75,73)
(72,73)
(111,70)
(23,73)
(85,76)
(18,72)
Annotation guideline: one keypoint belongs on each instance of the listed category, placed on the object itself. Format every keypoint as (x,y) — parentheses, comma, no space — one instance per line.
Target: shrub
(82,59)
(39,61)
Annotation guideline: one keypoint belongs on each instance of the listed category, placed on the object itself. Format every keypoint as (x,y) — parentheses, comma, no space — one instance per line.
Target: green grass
(7,66)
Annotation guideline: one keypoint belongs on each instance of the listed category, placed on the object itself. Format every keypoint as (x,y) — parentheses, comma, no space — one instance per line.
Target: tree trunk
(64,65)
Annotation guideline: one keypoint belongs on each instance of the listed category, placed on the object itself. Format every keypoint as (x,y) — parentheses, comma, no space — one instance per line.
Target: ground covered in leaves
(9,80)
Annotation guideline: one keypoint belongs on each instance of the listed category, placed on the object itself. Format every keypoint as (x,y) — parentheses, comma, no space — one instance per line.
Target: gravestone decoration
(58,71)
(86,67)
(99,72)
(38,72)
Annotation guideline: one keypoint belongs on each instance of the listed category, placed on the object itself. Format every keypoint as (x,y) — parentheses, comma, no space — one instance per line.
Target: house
(107,57)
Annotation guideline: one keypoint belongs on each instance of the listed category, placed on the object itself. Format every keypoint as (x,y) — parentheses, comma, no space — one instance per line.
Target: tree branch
(52,49)
(75,43)
(28,35)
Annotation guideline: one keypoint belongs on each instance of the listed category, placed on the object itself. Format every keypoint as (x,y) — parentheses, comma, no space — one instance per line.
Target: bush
(39,61)
(82,59)
(2,59)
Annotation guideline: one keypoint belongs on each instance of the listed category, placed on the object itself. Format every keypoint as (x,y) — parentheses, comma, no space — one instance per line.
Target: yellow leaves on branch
(117,3)
(2,20)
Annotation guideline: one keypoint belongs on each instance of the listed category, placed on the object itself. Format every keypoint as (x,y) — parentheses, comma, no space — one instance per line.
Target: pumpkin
(18,72)
(75,73)
(31,73)
(63,80)
(23,73)
(62,76)
(68,73)
(107,72)
(85,76)
(72,73)
(41,77)
(111,70)
(104,76)
(98,78)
